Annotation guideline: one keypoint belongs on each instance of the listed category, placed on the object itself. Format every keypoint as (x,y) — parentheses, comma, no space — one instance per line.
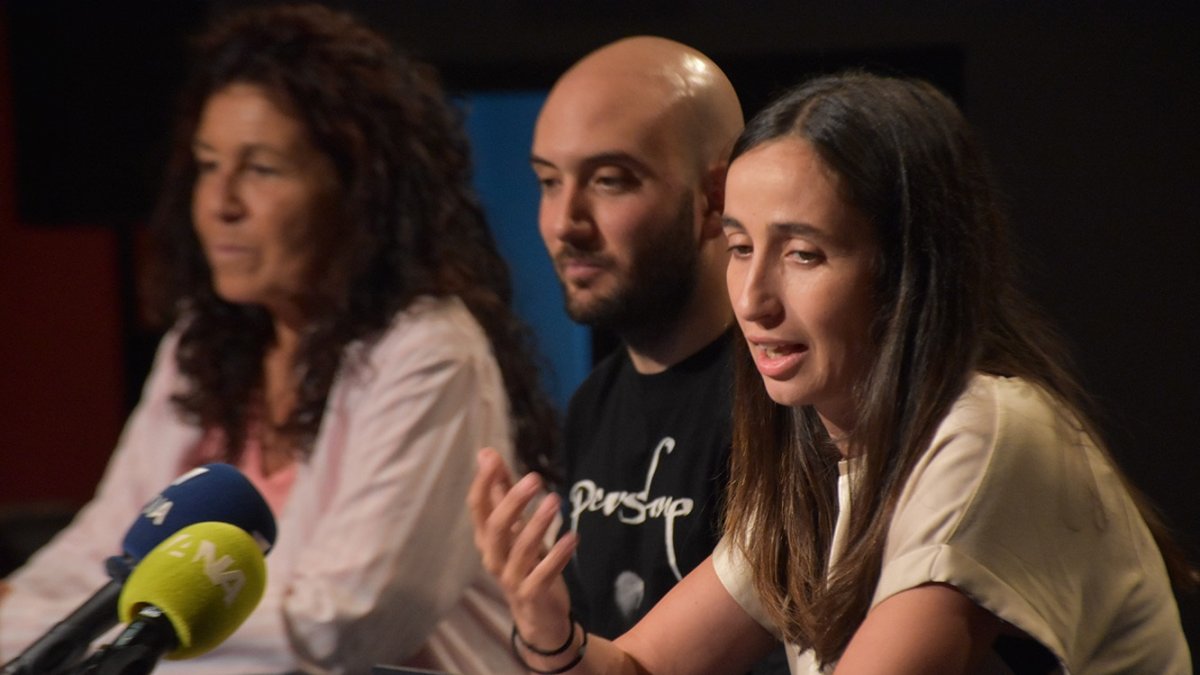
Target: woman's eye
(262,169)
(205,166)
(738,245)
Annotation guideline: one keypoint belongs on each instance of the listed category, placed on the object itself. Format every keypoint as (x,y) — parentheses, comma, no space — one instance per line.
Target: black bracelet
(515,637)
(556,671)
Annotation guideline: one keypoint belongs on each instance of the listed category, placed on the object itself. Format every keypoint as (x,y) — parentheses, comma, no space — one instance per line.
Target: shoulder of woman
(435,325)
(430,333)
(1002,418)
(1006,452)
(999,435)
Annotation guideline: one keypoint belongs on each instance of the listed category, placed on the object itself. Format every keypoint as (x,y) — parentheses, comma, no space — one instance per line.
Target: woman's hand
(697,628)
(514,551)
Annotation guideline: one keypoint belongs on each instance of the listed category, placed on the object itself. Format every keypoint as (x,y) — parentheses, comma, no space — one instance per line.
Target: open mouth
(778,360)
(780,351)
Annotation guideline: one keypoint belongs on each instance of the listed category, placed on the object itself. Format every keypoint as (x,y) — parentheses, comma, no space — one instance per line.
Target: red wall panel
(60,344)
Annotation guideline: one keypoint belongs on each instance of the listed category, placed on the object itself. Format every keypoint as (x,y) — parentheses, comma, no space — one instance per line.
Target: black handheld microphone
(214,492)
(137,649)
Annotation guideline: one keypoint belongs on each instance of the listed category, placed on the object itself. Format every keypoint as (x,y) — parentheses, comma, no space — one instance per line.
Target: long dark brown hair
(411,223)
(948,307)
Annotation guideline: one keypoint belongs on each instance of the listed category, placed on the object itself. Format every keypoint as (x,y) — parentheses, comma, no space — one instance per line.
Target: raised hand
(513,546)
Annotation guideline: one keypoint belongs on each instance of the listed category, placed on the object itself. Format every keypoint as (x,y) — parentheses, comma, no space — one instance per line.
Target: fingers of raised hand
(528,544)
(540,603)
(489,486)
(505,521)
(489,470)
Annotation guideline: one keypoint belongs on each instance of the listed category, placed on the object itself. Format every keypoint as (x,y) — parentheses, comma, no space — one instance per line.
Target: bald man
(630,150)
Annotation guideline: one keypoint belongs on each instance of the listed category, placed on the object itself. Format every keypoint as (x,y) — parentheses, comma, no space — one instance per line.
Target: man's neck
(662,345)
(656,346)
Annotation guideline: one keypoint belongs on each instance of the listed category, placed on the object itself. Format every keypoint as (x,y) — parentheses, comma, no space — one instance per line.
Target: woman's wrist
(551,660)
(555,651)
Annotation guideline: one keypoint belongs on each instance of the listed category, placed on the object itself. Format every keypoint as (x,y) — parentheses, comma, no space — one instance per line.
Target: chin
(587,310)
(787,394)
(236,295)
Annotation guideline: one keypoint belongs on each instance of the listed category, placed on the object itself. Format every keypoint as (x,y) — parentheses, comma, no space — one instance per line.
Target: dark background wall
(1088,111)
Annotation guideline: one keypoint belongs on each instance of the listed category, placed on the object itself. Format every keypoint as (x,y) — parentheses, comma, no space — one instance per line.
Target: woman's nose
(220,193)
(757,299)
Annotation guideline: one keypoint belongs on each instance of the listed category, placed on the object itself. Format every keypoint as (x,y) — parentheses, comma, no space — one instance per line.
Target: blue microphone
(213,492)
(210,493)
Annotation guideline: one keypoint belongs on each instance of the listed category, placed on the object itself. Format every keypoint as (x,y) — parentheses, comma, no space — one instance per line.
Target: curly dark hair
(413,224)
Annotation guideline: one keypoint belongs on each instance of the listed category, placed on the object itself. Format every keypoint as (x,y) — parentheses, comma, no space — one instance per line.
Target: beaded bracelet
(515,637)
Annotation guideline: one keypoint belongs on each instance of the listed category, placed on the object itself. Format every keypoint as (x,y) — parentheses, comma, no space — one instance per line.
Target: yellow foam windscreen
(206,579)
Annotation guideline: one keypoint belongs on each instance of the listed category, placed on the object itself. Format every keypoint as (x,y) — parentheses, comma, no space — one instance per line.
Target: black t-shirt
(646,463)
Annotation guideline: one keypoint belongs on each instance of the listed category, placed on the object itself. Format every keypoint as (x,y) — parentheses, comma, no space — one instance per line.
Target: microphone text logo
(218,570)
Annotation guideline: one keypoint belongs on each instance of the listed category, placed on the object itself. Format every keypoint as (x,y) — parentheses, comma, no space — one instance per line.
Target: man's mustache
(570,254)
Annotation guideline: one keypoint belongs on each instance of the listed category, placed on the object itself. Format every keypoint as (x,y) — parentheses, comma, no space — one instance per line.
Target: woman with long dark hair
(343,333)
(916,484)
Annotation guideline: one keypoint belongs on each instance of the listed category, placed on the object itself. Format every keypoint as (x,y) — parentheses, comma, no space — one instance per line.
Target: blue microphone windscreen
(213,492)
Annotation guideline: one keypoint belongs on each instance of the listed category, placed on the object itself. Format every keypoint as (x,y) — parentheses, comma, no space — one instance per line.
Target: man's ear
(714,199)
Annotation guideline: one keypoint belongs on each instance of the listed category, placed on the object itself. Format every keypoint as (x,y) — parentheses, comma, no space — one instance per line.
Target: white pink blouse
(374,562)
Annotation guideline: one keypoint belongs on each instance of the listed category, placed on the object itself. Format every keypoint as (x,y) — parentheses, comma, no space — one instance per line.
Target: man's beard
(658,285)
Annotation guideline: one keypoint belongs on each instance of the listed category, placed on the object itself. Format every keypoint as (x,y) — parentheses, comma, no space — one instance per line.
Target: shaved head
(663,79)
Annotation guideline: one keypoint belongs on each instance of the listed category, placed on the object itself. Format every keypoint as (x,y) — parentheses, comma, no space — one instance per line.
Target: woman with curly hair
(916,485)
(343,333)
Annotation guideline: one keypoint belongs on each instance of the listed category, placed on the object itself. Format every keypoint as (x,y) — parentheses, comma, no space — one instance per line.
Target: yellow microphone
(187,596)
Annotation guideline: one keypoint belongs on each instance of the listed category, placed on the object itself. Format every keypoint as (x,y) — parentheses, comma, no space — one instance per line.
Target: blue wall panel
(500,126)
